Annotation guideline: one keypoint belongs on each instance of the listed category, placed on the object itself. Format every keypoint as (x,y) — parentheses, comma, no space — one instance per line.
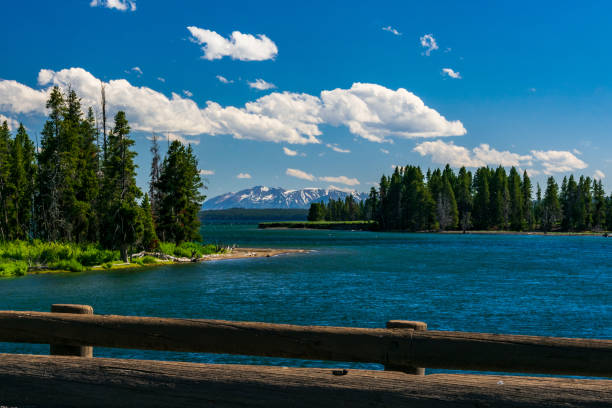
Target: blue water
(538,285)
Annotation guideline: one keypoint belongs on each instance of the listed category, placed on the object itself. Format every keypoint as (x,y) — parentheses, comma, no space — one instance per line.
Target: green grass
(17,257)
(190,249)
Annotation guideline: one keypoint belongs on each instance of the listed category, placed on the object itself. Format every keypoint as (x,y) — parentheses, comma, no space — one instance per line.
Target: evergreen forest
(488,199)
(79,185)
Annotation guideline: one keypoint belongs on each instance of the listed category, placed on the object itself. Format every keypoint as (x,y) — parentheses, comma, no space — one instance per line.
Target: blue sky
(510,83)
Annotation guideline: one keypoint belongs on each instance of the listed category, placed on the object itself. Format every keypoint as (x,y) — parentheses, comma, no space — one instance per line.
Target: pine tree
(528,209)
(154,193)
(551,208)
(537,210)
(481,199)
(23,179)
(371,205)
(6,189)
(517,204)
(50,219)
(446,206)
(463,194)
(499,205)
(121,220)
(179,184)
(149,240)
(599,206)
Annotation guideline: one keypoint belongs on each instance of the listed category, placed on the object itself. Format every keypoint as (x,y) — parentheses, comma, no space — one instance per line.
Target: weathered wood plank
(59,381)
(62,350)
(392,347)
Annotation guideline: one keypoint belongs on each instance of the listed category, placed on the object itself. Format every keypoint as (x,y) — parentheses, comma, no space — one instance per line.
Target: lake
(514,284)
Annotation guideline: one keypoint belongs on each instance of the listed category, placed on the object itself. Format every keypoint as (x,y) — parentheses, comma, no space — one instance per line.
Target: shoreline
(236,253)
(475,232)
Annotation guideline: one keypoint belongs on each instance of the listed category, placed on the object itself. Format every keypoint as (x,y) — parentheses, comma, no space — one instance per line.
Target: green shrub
(107,265)
(13,268)
(93,255)
(137,261)
(71,265)
(149,259)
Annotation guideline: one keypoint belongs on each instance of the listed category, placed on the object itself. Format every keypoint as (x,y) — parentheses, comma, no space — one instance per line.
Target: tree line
(77,188)
(488,199)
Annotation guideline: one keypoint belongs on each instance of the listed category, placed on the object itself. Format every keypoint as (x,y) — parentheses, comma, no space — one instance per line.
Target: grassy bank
(334,225)
(20,257)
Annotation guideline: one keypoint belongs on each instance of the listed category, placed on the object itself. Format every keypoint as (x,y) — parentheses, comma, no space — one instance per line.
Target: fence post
(61,350)
(410,325)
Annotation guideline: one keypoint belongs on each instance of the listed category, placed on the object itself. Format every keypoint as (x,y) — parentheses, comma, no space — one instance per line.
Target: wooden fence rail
(396,348)
(58,381)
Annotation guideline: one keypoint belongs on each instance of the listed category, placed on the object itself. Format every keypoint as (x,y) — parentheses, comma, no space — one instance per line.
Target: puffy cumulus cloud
(450,73)
(391,30)
(244,47)
(261,85)
(442,152)
(429,43)
(147,110)
(207,172)
(12,123)
(18,98)
(485,154)
(377,113)
(223,79)
(340,179)
(599,175)
(289,152)
(122,5)
(370,111)
(300,174)
(243,176)
(552,161)
(558,161)
(459,156)
(337,149)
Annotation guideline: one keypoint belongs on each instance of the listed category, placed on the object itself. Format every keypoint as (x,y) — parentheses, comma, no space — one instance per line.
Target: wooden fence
(402,347)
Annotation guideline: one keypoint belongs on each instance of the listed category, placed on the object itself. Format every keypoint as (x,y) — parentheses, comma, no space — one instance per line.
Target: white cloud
(599,175)
(552,161)
(340,179)
(370,111)
(429,43)
(391,30)
(137,70)
(12,123)
(442,152)
(576,151)
(289,152)
(244,47)
(224,79)
(377,113)
(261,85)
(123,5)
(458,156)
(243,176)
(187,93)
(160,79)
(450,73)
(343,189)
(555,161)
(385,151)
(337,149)
(207,172)
(300,174)
(19,98)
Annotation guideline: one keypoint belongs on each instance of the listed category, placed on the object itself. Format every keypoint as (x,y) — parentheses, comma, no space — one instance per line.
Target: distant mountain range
(270,197)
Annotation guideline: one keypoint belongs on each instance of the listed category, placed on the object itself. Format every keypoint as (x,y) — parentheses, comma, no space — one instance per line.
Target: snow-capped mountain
(270,197)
